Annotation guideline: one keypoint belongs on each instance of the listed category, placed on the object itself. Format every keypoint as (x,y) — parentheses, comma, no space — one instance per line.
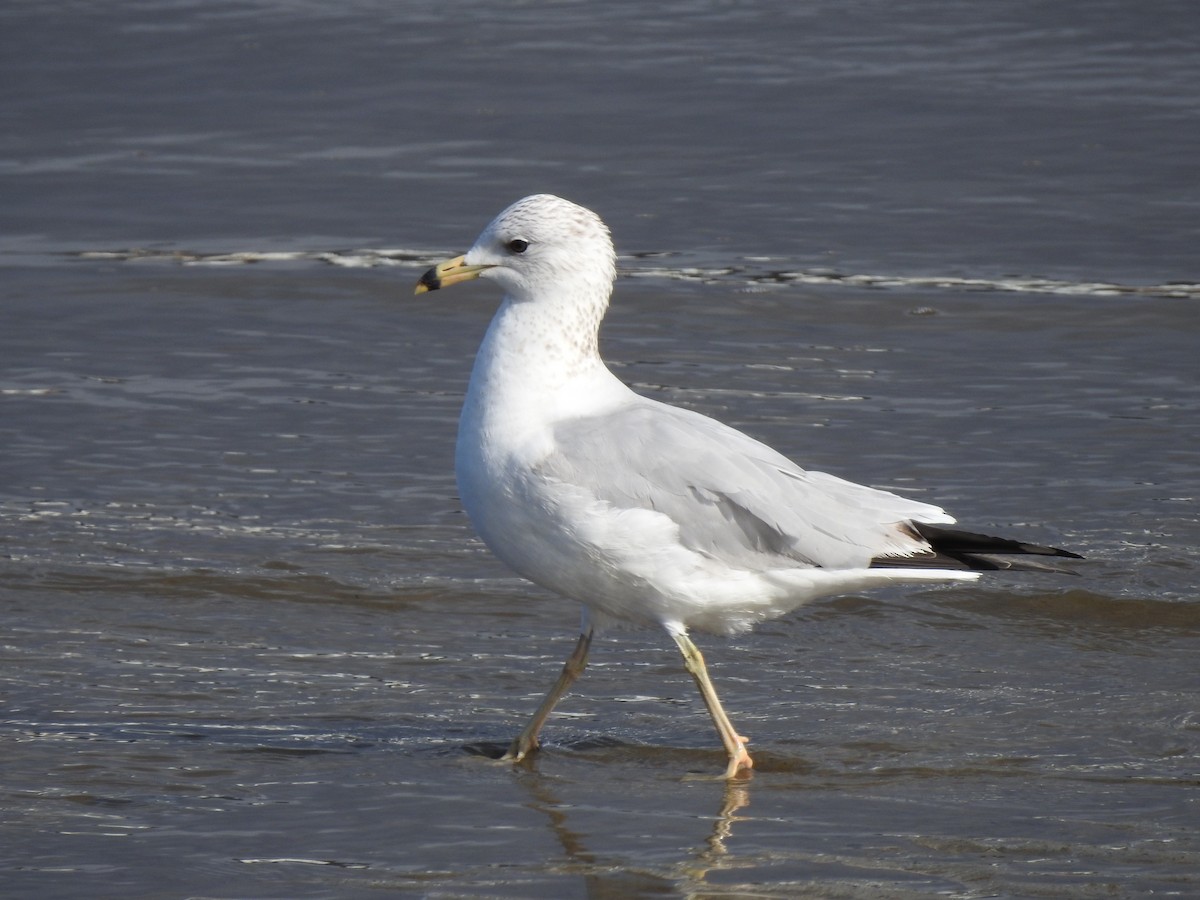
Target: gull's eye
(516,245)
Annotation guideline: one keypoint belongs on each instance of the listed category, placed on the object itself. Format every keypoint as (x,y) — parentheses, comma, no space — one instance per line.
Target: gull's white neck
(539,365)
(540,358)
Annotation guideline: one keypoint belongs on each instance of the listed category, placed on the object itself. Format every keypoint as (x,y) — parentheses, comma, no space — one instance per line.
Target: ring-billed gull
(646,513)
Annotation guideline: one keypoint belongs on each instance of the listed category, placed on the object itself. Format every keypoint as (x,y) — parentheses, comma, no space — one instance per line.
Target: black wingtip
(954,540)
(954,549)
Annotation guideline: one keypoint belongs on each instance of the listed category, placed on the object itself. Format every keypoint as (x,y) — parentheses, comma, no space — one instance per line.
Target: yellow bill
(448,273)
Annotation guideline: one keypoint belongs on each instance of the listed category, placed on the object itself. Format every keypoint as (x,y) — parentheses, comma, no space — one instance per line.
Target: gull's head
(538,242)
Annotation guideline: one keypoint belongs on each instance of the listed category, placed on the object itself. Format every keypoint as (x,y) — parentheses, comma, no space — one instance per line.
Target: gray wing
(733,498)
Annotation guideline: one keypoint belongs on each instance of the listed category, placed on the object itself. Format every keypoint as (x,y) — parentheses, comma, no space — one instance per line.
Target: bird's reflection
(735,797)
(605,880)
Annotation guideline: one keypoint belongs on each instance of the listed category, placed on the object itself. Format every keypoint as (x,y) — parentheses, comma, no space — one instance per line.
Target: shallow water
(250,645)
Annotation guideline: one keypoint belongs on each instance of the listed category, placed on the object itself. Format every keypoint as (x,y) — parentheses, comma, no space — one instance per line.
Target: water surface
(251,647)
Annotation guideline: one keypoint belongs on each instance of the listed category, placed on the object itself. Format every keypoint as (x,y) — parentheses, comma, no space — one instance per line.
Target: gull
(645,513)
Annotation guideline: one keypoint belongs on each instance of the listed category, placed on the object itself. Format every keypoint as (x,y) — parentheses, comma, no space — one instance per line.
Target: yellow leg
(527,741)
(735,744)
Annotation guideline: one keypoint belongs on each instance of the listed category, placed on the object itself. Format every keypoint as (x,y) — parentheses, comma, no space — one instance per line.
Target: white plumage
(645,513)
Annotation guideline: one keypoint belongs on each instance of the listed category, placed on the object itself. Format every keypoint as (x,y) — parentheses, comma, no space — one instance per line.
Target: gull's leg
(735,744)
(527,741)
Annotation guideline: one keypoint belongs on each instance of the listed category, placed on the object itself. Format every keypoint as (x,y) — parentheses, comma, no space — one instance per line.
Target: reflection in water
(606,881)
(736,796)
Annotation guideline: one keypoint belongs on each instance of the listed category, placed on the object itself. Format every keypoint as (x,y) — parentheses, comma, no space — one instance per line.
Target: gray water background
(249,646)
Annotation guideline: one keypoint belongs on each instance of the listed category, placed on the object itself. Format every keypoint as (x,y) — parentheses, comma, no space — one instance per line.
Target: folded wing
(732,497)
